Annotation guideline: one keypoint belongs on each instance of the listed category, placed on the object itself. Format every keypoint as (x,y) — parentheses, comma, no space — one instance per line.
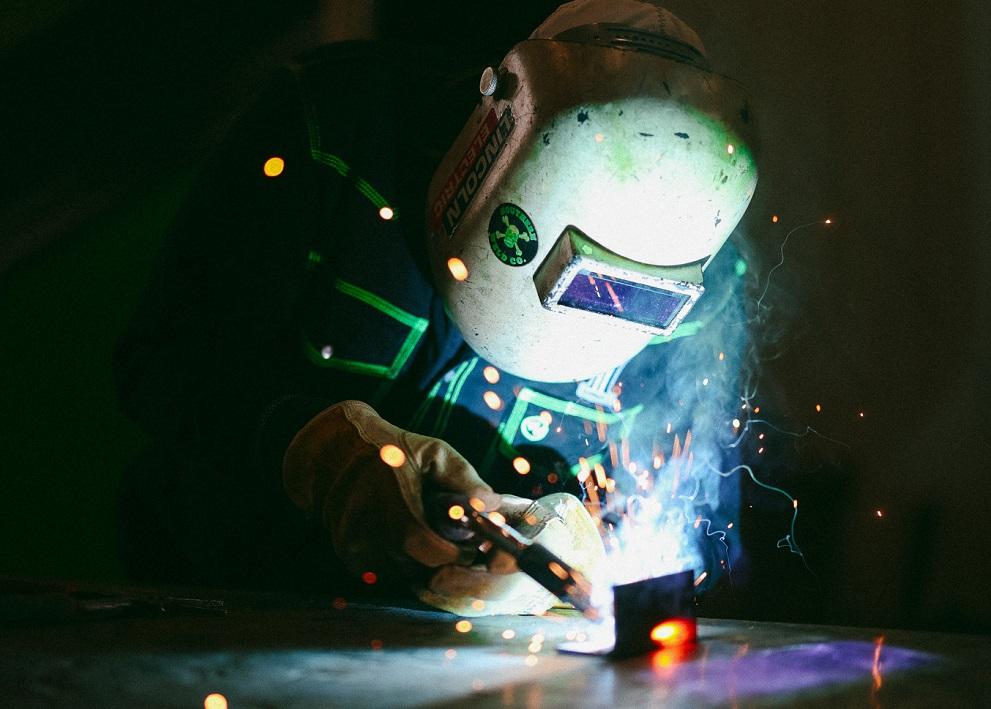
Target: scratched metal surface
(367,656)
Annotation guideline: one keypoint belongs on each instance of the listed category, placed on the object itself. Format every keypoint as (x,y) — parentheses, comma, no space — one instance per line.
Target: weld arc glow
(671,496)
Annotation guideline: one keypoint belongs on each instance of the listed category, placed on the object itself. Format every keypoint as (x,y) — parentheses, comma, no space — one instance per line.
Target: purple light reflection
(788,670)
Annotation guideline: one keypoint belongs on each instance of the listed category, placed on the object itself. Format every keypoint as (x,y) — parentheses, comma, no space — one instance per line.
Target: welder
(386,287)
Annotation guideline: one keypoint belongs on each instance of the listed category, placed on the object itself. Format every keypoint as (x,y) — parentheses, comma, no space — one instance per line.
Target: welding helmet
(572,219)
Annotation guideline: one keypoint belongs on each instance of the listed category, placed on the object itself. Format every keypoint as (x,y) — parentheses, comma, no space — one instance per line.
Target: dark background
(873,114)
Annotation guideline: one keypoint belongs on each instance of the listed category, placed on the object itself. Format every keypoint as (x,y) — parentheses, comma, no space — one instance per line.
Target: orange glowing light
(215,701)
(829,221)
(491,374)
(492,400)
(463,626)
(722,356)
(756,409)
(477,504)
(600,475)
(558,570)
(546,417)
(818,408)
(273,167)
(456,512)
(387,213)
(457,268)
(369,577)
(729,526)
(521,465)
(701,577)
(760,450)
(672,632)
(392,456)
(774,219)
(478,604)
(880,513)
(552,478)
(794,503)
(497,518)
(508,634)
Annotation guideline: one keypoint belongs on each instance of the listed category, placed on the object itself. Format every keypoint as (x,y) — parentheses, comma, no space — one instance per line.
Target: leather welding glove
(558,521)
(365,478)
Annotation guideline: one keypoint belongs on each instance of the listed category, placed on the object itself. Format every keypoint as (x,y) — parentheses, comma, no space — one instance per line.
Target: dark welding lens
(649,305)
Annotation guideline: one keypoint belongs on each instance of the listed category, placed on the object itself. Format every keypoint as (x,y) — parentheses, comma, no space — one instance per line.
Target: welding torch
(461,520)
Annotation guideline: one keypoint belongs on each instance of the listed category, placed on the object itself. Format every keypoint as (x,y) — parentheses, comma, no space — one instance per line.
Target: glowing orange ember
(774,219)
(392,456)
(457,268)
(491,374)
(215,701)
(521,465)
(492,400)
(672,632)
(477,504)
(456,512)
(273,167)
(463,626)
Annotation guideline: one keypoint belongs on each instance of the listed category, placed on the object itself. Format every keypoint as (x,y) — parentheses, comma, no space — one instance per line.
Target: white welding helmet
(574,216)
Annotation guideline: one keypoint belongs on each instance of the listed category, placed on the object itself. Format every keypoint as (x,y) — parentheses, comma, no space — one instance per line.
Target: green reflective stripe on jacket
(416,325)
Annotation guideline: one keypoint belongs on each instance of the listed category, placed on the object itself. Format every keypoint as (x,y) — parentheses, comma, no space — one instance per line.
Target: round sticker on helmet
(512,236)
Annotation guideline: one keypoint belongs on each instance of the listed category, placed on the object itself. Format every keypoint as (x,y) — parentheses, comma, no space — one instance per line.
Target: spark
(456,512)
(491,374)
(387,213)
(215,701)
(369,577)
(818,408)
(463,626)
(521,465)
(546,417)
(701,578)
(392,456)
(782,261)
(274,166)
(457,268)
(880,513)
(497,517)
(729,526)
(705,382)
(730,149)
(477,504)
(736,423)
(492,400)
(722,356)
(876,665)
(774,218)
(327,352)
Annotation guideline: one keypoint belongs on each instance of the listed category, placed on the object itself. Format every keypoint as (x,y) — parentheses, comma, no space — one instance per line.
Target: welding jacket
(277,296)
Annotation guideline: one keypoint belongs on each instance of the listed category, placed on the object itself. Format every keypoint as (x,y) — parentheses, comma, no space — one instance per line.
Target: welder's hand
(365,477)
(558,521)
